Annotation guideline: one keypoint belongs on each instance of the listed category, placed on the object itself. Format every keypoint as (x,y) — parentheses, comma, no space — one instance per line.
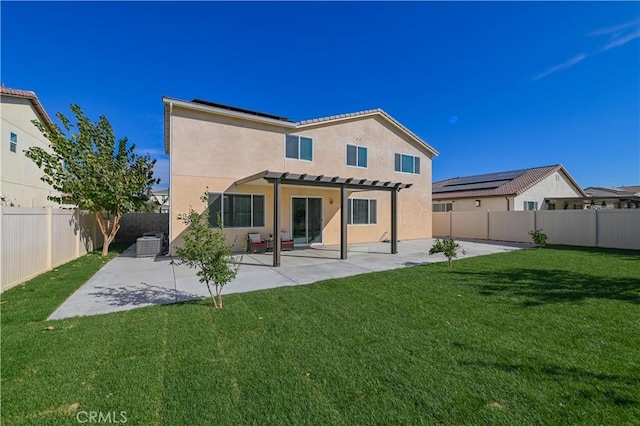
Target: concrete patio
(128,282)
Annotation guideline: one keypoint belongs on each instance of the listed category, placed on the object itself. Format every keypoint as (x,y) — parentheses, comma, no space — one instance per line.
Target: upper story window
(407,163)
(531,205)
(357,156)
(236,210)
(13,142)
(298,147)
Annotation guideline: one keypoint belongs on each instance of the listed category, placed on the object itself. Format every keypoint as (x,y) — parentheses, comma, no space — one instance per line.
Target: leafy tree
(94,171)
(448,247)
(207,250)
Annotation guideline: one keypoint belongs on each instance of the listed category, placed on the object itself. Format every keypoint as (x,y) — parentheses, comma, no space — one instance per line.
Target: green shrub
(448,247)
(539,238)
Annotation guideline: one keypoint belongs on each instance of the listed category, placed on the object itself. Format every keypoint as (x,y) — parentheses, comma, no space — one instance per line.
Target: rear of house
(237,155)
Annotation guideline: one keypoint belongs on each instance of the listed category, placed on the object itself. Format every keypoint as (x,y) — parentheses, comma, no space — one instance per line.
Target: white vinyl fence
(591,228)
(35,240)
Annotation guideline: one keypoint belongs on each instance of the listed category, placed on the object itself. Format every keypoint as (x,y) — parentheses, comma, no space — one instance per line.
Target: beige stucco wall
(492,204)
(20,182)
(556,185)
(212,151)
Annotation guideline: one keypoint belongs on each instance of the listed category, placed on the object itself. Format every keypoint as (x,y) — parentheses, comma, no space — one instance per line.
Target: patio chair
(286,242)
(255,243)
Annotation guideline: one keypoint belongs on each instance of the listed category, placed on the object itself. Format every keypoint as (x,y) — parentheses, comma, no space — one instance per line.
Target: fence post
(2,283)
(76,213)
(49,219)
(595,227)
(488,225)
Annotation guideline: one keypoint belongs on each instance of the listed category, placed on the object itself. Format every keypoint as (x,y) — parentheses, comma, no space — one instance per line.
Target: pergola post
(394,221)
(276,222)
(343,221)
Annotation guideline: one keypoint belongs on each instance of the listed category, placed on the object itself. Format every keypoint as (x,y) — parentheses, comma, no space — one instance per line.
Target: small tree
(448,247)
(539,238)
(207,249)
(90,169)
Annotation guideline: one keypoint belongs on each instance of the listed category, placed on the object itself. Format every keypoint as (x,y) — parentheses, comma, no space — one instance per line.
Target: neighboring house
(265,172)
(537,188)
(160,198)
(20,183)
(622,197)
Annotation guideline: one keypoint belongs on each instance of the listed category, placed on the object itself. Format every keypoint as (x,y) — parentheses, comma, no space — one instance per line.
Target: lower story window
(362,211)
(531,205)
(442,207)
(236,210)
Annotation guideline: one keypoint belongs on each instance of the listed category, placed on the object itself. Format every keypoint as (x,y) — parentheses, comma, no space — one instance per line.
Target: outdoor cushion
(284,236)
(255,238)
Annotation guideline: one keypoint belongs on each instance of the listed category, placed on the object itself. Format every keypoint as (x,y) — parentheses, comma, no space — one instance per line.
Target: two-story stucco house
(358,177)
(20,183)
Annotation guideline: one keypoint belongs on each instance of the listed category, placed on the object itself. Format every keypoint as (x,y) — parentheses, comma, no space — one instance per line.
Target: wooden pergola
(344,184)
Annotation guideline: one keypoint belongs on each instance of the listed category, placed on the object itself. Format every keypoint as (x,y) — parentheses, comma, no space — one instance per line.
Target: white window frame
(222,194)
(445,207)
(350,208)
(414,163)
(13,142)
(357,156)
(299,159)
(526,206)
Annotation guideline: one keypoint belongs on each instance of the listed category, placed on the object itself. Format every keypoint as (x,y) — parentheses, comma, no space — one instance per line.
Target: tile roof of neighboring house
(621,191)
(511,183)
(28,94)
(282,121)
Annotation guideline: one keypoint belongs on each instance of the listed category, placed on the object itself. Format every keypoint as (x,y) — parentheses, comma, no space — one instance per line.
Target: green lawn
(539,336)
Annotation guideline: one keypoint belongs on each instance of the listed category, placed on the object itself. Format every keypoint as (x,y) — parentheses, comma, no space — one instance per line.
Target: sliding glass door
(306,220)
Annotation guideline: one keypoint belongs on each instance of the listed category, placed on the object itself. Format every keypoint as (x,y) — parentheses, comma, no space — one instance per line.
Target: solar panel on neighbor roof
(470,186)
(489,177)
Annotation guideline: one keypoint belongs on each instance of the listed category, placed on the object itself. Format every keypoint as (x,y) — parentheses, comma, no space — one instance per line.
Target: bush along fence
(590,228)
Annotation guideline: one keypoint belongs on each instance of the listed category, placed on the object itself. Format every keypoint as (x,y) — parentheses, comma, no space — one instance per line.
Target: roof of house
(508,183)
(621,191)
(28,94)
(222,109)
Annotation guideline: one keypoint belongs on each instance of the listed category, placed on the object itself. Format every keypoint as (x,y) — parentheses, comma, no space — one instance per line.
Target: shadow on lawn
(141,296)
(620,254)
(562,374)
(540,286)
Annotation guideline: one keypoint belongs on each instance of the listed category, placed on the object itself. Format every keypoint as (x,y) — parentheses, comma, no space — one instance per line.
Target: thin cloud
(622,40)
(563,66)
(619,35)
(615,30)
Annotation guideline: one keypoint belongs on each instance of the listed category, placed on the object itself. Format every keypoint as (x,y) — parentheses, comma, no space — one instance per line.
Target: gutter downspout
(170,176)
(506,198)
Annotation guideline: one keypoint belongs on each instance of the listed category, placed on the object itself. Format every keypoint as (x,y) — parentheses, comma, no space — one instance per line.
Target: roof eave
(378,112)
(226,112)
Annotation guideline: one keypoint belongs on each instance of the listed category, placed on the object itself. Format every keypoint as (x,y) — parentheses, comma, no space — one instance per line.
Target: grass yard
(539,336)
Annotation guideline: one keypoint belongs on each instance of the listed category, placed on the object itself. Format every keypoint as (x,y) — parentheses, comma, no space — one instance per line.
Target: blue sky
(492,86)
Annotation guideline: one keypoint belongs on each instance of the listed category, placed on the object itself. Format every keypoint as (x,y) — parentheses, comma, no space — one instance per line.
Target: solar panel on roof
(246,111)
(470,186)
(489,177)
